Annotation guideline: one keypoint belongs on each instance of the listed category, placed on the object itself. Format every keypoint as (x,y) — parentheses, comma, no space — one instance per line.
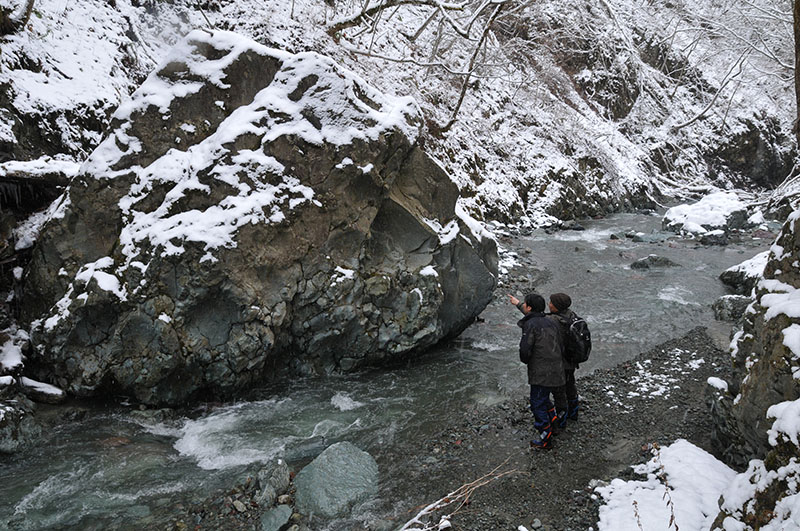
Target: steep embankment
(757,417)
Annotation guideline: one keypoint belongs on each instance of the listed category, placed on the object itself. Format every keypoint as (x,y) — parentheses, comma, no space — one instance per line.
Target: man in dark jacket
(541,349)
(566,396)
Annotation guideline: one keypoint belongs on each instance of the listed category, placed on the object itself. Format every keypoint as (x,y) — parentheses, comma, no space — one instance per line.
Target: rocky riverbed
(627,412)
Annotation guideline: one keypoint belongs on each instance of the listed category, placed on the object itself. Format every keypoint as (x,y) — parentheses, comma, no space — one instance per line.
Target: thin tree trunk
(471,68)
(796,10)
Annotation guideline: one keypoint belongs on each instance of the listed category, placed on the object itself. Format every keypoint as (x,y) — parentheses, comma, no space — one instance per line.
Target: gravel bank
(654,399)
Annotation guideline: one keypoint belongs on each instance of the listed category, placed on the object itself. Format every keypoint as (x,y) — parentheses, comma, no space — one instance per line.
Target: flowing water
(113,467)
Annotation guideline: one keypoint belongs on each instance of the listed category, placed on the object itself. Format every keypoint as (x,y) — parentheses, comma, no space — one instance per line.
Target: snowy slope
(574,110)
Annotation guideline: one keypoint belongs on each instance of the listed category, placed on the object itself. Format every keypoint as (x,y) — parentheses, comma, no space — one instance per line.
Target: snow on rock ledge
(203,244)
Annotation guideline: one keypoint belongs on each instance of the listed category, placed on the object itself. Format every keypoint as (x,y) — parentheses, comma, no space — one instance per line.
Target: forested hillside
(539,110)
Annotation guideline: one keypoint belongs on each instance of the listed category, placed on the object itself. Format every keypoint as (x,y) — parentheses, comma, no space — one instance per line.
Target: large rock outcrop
(766,355)
(251,211)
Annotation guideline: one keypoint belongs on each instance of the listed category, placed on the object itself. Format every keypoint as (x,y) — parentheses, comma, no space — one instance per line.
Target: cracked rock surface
(252,213)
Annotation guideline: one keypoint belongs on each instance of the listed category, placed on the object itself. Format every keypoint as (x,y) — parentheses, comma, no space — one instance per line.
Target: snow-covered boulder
(767,495)
(251,212)
(716,211)
(338,478)
(766,354)
(730,307)
(742,277)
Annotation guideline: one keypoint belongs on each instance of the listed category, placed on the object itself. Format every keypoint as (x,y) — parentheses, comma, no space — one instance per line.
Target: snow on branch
(370,11)
(729,76)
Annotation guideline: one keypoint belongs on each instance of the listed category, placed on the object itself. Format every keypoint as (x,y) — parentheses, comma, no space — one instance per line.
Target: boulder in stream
(653,260)
(252,214)
(338,478)
(18,427)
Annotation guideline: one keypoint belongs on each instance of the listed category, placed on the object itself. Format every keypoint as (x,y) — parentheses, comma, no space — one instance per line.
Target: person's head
(559,302)
(534,303)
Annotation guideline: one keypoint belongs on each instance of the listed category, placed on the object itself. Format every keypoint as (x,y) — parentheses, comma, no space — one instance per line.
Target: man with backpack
(577,346)
(541,349)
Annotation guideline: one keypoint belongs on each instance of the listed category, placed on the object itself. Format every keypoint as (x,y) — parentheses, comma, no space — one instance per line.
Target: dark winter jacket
(541,348)
(564,317)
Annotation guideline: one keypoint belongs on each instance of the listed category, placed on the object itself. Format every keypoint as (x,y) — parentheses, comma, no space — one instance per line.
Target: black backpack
(578,340)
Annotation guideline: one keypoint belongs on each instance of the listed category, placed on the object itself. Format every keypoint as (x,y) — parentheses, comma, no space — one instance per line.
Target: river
(106,467)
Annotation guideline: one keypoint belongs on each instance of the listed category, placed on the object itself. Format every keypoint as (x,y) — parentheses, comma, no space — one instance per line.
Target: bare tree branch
(369,12)
(727,79)
(471,67)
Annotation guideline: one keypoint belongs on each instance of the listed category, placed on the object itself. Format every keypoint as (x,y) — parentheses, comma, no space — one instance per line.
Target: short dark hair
(535,302)
(561,301)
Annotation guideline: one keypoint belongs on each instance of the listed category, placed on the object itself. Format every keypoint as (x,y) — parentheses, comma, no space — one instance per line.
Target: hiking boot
(544,441)
(572,411)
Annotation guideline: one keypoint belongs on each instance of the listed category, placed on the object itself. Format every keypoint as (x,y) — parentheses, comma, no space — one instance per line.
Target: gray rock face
(763,359)
(338,478)
(251,213)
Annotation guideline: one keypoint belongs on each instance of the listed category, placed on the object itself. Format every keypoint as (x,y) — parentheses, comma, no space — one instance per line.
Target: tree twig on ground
(460,495)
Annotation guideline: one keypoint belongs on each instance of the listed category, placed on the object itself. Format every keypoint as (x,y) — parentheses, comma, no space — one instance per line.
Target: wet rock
(18,426)
(239,506)
(153,415)
(653,237)
(338,478)
(763,234)
(42,392)
(653,261)
(730,307)
(572,225)
(311,242)
(284,499)
(714,237)
(276,518)
(273,481)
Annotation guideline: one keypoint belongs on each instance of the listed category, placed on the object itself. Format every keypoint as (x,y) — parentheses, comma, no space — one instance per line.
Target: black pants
(566,393)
